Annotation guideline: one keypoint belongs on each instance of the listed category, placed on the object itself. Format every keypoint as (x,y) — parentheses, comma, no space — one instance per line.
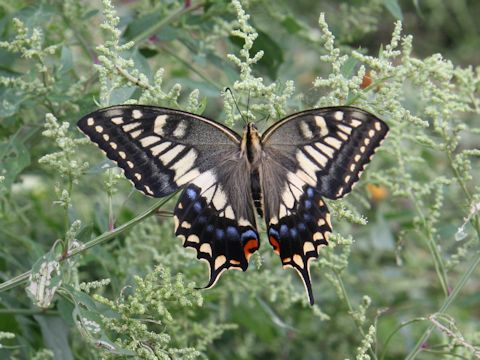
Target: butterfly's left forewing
(315,153)
(161,150)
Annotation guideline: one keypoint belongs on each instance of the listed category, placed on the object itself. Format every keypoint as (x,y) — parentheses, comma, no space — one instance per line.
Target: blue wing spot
(307,217)
(249,234)
(219,233)
(283,230)
(310,192)
(192,194)
(293,232)
(202,219)
(232,233)
(308,204)
(301,226)
(273,232)
(197,206)
(210,228)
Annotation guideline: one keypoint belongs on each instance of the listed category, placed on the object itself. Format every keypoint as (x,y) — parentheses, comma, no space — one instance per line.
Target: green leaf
(121,94)
(10,100)
(394,8)
(349,67)
(14,157)
(66,61)
(291,25)
(55,335)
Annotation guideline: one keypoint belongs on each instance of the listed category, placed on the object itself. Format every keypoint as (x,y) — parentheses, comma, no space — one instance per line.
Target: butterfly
(227,179)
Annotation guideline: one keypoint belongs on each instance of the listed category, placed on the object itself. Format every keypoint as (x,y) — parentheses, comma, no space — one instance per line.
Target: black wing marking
(159,149)
(215,216)
(308,155)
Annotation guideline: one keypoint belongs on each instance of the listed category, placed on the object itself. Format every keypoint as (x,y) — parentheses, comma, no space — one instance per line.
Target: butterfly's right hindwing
(159,149)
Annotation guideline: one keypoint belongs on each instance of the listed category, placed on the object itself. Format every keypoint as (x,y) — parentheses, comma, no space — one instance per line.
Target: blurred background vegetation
(403,284)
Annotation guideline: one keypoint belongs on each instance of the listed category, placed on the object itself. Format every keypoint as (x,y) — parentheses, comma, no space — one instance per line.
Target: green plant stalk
(397,329)
(18,280)
(448,301)
(351,311)
(463,280)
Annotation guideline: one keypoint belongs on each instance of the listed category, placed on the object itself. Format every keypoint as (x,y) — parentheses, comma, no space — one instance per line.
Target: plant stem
(18,280)
(448,301)
(351,311)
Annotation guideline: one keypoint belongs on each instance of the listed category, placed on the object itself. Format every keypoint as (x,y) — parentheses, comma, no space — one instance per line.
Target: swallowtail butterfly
(282,174)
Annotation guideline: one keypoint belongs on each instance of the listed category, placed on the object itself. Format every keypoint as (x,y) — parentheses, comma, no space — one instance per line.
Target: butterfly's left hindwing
(162,150)
(311,154)
(216,218)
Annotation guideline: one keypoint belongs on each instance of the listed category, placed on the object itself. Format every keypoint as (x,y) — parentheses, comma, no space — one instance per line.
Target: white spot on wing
(90,121)
(322,159)
(193,238)
(98,129)
(171,154)
(345,129)
(160,121)
(180,130)
(149,140)
(377,126)
(157,149)
(113,145)
(355,122)
(325,149)
(287,198)
(297,259)
(184,164)
(306,164)
(122,154)
(117,120)
(186,225)
(338,115)
(229,212)
(137,114)
(219,199)
(136,133)
(106,137)
(320,121)
(131,126)
(306,132)
(188,177)
(333,142)
(206,248)
(219,261)
(148,190)
(138,176)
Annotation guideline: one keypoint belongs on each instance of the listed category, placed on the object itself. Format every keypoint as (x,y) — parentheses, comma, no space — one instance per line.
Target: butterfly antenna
(236,104)
(248,102)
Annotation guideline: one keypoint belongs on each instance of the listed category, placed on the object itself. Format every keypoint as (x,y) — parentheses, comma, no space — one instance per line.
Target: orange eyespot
(275,244)
(250,247)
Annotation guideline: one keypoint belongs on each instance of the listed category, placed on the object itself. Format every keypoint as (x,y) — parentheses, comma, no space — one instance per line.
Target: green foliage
(87,272)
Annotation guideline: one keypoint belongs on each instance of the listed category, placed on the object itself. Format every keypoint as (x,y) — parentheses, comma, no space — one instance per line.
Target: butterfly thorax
(251,145)
(251,148)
